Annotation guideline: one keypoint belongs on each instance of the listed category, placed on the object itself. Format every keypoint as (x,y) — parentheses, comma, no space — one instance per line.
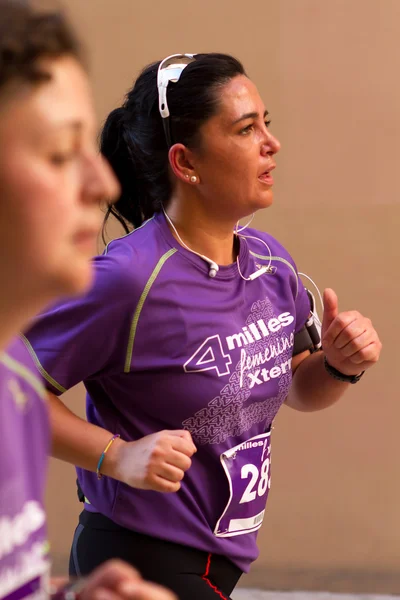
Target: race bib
(247,467)
(36,588)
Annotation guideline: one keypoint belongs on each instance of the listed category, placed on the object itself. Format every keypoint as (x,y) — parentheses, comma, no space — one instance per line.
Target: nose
(270,145)
(100,182)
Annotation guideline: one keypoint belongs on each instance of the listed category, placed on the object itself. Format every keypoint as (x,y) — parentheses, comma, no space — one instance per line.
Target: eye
(61,158)
(267,123)
(247,129)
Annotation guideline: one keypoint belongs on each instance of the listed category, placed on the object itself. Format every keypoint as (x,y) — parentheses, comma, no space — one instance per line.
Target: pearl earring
(193,179)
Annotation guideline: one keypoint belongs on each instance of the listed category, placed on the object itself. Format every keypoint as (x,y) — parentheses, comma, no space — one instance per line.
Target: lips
(266,177)
(86,239)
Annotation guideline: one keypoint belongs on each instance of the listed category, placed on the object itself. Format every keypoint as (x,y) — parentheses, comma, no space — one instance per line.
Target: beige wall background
(329,75)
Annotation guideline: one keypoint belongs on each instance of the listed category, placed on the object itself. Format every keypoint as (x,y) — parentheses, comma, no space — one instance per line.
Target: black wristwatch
(341,376)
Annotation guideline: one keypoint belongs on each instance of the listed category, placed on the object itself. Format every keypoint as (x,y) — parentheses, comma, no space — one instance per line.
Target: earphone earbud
(214,268)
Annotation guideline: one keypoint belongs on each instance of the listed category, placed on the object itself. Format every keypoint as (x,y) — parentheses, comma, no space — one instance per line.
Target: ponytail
(136,149)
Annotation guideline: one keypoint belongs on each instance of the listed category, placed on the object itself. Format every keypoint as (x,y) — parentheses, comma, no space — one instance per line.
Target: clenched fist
(156,462)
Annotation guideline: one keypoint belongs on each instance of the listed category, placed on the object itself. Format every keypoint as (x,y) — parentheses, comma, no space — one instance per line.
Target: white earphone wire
(213,265)
(265,268)
(177,234)
(242,228)
(315,314)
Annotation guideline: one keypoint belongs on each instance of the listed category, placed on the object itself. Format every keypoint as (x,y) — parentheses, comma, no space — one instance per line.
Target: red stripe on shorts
(208,582)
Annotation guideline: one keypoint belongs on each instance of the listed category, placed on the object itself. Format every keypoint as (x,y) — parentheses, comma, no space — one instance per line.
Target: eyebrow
(75,125)
(58,127)
(251,115)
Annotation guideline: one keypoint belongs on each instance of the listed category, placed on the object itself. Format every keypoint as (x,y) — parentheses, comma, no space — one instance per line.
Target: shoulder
(258,247)
(265,247)
(18,362)
(128,262)
(277,249)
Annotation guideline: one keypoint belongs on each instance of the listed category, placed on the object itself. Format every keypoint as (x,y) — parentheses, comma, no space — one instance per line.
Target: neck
(17,308)
(202,232)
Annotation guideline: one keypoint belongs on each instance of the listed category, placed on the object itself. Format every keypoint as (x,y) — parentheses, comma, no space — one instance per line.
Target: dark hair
(133,138)
(26,36)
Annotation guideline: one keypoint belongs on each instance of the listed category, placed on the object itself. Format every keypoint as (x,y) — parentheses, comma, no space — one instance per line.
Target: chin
(265,201)
(73,281)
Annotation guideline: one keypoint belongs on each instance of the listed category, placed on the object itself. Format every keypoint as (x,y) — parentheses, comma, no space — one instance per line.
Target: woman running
(195,332)
(51,183)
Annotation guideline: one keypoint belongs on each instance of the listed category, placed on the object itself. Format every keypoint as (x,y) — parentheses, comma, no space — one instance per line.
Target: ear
(181,161)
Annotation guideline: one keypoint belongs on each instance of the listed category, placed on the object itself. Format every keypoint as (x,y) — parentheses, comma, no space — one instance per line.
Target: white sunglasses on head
(170,69)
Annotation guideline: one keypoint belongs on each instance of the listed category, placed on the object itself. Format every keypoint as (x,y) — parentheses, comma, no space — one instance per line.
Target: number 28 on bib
(247,467)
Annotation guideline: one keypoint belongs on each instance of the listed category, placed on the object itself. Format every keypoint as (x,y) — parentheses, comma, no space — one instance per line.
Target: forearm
(154,462)
(78,442)
(313,388)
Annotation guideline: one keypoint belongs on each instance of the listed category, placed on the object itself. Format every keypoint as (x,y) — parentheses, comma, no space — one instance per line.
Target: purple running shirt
(161,345)
(24,446)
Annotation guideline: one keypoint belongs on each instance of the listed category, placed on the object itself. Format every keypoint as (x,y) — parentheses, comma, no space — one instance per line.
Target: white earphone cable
(242,228)
(266,268)
(213,265)
(315,314)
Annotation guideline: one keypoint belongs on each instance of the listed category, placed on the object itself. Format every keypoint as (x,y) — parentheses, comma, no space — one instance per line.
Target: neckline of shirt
(224,272)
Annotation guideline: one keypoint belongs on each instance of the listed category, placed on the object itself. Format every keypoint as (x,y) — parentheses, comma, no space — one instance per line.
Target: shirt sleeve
(87,337)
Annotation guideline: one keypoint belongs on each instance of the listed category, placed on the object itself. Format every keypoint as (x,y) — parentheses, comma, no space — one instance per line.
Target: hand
(349,340)
(156,462)
(116,580)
